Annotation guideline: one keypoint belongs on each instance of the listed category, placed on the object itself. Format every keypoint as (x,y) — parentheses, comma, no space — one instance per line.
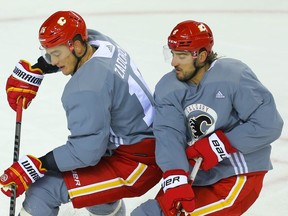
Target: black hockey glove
(45,67)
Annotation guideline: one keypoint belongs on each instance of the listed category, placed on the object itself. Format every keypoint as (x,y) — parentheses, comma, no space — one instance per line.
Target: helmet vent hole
(54,40)
(185,43)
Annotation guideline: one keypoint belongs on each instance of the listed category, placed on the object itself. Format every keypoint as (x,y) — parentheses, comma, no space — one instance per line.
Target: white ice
(253,31)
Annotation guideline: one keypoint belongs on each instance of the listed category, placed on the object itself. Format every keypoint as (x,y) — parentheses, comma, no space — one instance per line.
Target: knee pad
(117,208)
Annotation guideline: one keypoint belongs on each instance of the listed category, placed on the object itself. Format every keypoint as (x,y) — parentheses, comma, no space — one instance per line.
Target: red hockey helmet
(191,36)
(60,28)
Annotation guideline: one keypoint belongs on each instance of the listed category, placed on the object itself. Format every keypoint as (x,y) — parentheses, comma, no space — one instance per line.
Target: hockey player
(216,109)
(110,153)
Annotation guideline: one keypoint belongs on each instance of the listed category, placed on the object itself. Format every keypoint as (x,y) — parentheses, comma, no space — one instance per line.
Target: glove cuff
(220,145)
(32,167)
(25,73)
(174,178)
(226,142)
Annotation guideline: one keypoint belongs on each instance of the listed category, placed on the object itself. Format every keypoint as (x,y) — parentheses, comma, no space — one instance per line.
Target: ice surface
(252,31)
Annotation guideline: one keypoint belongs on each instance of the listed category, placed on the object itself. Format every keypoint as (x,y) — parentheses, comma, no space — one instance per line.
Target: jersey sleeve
(170,129)
(261,123)
(88,122)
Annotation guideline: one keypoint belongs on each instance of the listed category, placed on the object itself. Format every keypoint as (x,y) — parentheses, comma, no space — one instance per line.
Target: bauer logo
(219,149)
(170,181)
(172,41)
(76,178)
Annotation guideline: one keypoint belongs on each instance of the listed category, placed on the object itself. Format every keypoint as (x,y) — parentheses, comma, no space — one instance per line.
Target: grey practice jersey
(107,104)
(229,97)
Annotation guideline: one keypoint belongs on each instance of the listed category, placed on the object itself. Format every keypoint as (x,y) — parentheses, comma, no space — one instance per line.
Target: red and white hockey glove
(22,173)
(178,193)
(24,82)
(212,149)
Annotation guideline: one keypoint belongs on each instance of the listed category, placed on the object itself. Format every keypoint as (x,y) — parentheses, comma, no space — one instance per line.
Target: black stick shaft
(16,154)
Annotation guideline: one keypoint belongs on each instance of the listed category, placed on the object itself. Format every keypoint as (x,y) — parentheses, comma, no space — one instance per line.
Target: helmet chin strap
(78,58)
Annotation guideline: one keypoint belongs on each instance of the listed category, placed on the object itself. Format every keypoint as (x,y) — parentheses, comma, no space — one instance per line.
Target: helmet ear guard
(191,36)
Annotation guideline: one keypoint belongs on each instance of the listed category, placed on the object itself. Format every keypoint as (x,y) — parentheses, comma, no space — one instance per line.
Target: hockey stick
(16,153)
(192,178)
(195,169)
(159,196)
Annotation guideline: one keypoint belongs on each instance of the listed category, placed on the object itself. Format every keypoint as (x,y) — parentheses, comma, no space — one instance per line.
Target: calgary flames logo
(199,125)
(202,27)
(201,120)
(61,21)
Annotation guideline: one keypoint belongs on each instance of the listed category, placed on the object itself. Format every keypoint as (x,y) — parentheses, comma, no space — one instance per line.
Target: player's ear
(79,48)
(202,56)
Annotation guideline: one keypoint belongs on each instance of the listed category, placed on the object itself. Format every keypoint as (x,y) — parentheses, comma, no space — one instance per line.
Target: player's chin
(179,76)
(66,71)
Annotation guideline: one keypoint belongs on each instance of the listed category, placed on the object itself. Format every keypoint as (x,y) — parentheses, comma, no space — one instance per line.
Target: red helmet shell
(191,36)
(60,28)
